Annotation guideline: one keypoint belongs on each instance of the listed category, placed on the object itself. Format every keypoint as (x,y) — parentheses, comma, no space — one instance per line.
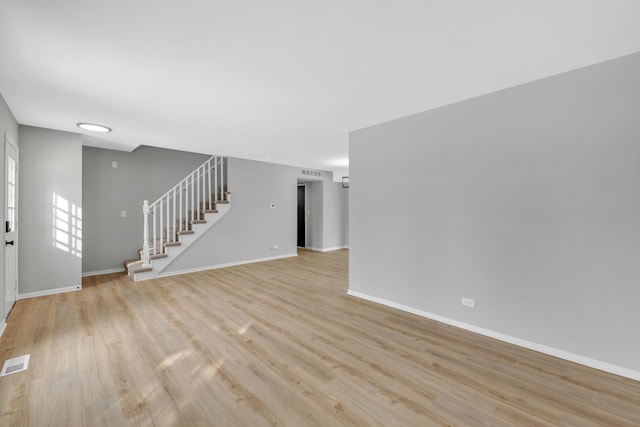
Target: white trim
(3,326)
(49,292)
(215,267)
(100,272)
(572,357)
(8,140)
(335,248)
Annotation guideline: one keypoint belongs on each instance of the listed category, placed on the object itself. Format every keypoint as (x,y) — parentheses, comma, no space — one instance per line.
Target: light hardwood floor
(279,343)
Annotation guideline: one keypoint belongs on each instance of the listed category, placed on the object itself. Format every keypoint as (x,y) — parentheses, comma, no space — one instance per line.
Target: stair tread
(132,264)
(141,270)
(129,262)
(172,244)
(183,232)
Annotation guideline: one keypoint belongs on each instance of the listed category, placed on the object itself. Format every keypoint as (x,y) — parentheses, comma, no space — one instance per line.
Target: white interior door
(11,224)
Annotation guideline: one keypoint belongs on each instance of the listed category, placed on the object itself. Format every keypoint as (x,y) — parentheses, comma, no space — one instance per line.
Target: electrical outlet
(468,302)
(275,247)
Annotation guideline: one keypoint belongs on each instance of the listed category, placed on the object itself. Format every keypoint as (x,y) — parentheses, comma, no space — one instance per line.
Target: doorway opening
(302,228)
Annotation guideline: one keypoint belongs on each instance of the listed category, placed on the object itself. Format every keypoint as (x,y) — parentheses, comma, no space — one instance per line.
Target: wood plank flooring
(279,343)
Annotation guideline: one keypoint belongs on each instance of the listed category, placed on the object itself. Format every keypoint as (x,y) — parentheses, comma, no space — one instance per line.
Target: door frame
(8,140)
(306,223)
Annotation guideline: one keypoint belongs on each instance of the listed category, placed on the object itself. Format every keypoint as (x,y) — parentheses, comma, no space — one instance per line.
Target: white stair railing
(179,207)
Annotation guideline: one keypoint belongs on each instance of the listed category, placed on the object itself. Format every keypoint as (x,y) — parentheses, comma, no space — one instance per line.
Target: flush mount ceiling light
(94,127)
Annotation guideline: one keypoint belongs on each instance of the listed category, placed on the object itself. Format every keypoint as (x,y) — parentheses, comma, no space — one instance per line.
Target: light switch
(114,165)
(123,214)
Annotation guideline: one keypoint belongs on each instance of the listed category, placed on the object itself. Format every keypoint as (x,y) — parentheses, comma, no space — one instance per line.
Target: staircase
(180,217)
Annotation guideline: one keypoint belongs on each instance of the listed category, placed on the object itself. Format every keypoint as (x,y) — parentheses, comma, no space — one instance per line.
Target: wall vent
(17,364)
(309,172)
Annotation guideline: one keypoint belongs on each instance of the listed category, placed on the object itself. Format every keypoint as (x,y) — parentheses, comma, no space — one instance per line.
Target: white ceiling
(287,79)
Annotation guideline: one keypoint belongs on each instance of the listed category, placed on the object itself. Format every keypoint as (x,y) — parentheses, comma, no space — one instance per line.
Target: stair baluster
(145,242)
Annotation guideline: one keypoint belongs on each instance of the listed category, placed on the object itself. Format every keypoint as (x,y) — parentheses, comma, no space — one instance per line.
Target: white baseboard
(3,326)
(49,292)
(98,273)
(582,360)
(217,266)
(335,248)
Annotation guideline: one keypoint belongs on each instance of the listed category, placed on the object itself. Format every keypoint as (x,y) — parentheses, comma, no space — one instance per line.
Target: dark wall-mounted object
(345,182)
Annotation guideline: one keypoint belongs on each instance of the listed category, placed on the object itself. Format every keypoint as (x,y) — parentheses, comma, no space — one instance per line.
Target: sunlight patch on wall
(67,226)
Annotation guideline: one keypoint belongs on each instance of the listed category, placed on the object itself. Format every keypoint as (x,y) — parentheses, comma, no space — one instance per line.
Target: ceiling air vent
(309,172)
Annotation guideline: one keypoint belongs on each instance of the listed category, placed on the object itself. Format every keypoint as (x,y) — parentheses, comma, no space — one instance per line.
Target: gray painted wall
(50,163)
(346,220)
(527,200)
(8,125)
(315,218)
(335,202)
(250,229)
(145,173)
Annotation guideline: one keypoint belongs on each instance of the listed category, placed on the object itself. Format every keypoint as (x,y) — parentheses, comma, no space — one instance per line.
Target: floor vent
(17,364)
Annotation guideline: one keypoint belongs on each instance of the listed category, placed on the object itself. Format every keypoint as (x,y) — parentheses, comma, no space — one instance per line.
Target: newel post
(145,243)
